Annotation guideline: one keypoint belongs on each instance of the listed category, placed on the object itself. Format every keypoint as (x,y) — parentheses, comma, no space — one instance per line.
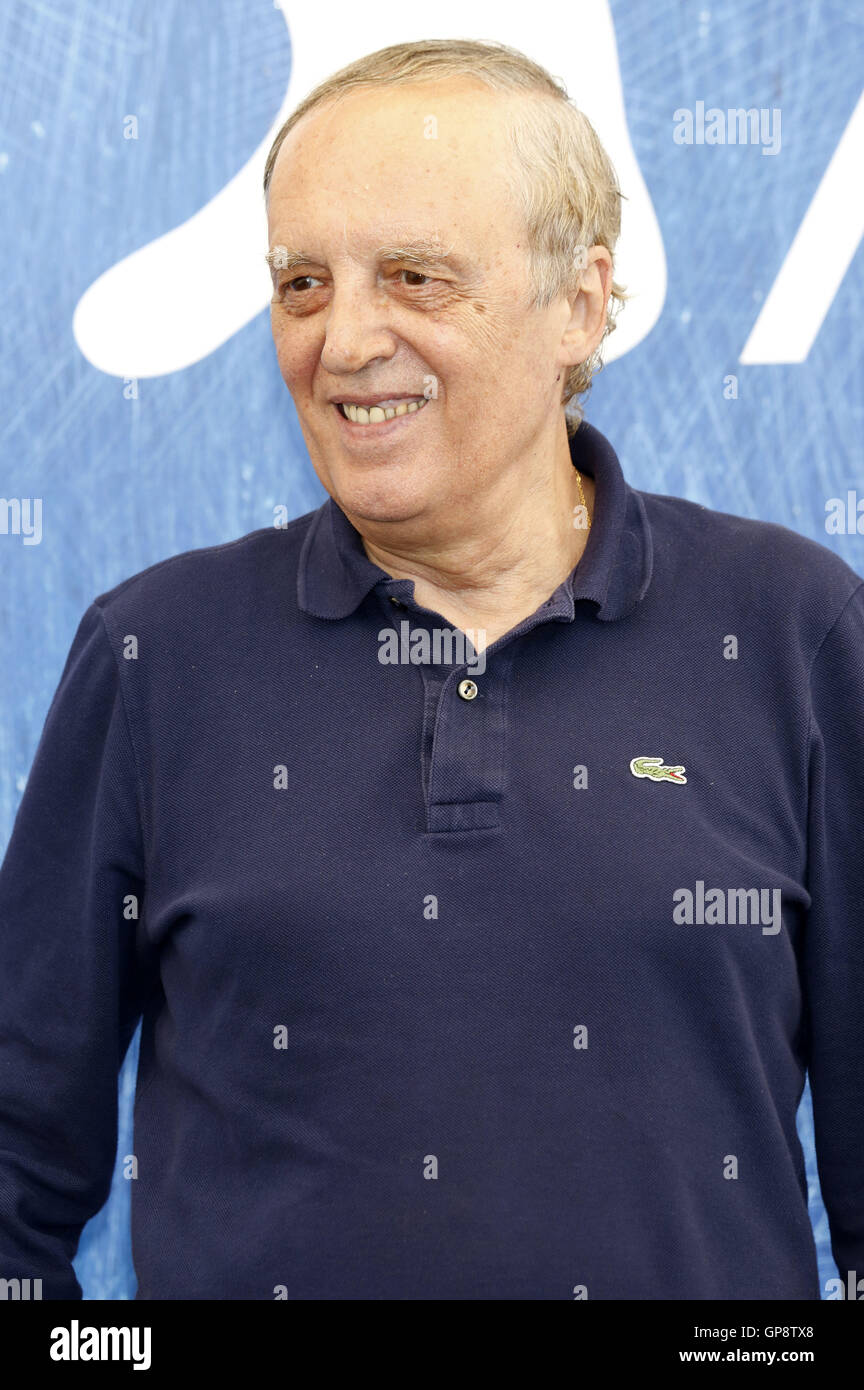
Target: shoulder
(759,564)
(210,579)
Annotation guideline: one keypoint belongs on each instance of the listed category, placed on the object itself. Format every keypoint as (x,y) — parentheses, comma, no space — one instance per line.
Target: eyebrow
(420,252)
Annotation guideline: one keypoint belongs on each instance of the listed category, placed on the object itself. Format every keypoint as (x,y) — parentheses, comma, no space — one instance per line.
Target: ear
(588,306)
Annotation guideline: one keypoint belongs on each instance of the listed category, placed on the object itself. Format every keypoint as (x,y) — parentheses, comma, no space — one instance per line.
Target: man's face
(359,176)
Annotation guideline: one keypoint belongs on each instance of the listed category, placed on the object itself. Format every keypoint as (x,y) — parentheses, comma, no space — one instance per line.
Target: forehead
(426,155)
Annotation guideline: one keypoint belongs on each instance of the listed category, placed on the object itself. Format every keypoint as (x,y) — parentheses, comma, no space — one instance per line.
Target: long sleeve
(72,968)
(834,953)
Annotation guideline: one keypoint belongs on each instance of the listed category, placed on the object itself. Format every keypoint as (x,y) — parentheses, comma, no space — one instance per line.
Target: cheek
(492,330)
(296,351)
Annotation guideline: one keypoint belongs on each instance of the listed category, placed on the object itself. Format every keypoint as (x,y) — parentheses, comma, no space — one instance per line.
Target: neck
(489,566)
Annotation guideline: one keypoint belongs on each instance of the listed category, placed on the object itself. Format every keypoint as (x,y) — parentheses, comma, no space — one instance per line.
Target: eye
(418,276)
(293,284)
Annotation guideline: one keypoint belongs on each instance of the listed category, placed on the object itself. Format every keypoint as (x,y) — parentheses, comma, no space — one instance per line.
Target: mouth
(376,417)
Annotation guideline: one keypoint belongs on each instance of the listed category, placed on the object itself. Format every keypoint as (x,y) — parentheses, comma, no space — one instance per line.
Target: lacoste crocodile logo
(656,770)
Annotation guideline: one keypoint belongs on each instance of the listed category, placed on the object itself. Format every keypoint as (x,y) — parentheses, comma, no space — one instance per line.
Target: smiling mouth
(379,414)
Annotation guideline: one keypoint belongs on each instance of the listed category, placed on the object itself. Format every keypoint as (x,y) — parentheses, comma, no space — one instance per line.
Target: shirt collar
(336,574)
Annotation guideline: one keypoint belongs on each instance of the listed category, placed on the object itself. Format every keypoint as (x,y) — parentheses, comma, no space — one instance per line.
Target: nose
(356,330)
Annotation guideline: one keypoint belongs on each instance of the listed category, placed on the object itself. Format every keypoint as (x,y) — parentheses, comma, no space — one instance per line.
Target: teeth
(361,416)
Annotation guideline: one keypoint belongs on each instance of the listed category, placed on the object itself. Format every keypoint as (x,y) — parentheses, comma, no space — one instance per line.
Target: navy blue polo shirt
(481,986)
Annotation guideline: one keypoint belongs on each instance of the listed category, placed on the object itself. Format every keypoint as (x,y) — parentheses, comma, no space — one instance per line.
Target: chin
(374,499)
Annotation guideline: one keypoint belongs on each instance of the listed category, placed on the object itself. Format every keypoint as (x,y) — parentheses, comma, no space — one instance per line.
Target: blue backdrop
(202,455)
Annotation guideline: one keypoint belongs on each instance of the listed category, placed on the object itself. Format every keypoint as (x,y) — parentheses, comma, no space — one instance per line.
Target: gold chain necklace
(582,496)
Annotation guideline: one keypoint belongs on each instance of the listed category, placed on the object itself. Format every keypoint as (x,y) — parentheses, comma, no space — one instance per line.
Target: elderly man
(480,851)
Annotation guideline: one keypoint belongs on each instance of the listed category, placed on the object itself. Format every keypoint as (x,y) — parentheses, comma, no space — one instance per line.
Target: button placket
(466,773)
(463,734)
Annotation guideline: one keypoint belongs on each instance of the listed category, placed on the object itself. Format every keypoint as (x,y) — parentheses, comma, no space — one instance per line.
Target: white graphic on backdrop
(155,312)
(818,258)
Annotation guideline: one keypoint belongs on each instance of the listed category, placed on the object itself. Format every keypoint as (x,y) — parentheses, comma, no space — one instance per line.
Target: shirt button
(468,690)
